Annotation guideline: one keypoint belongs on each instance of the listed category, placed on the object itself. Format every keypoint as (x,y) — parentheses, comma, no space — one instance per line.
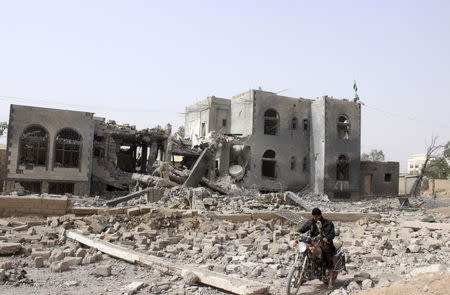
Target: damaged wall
(379,178)
(52,163)
(210,114)
(347,145)
(295,142)
(289,168)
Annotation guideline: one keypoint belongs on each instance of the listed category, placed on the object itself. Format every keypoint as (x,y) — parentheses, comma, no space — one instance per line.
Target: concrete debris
(194,239)
(9,248)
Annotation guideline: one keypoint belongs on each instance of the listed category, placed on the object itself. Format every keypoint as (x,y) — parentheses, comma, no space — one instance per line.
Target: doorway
(368,184)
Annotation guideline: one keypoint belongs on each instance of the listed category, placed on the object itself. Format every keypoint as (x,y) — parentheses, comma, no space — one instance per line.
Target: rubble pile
(379,251)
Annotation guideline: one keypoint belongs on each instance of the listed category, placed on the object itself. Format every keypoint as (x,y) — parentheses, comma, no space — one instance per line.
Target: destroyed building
(291,143)
(63,151)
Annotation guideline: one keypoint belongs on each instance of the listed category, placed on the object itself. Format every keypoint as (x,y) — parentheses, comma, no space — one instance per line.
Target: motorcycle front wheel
(296,278)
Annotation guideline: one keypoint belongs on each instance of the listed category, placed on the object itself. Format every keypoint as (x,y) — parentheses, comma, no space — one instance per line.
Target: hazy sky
(142,62)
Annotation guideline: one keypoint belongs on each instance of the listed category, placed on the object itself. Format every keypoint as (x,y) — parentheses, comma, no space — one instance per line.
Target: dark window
(269,164)
(67,149)
(203,131)
(342,168)
(343,127)
(305,164)
(388,177)
(294,124)
(224,123)
(305,124)
(99,146)
(99,152)
(293,163)
(271,121)
(34,146)
(60,188)
(32,187)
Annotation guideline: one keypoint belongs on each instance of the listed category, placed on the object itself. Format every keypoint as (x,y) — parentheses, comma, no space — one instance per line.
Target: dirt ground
(432,283)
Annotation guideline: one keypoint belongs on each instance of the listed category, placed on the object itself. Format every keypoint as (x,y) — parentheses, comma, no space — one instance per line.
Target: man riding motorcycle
(326,231)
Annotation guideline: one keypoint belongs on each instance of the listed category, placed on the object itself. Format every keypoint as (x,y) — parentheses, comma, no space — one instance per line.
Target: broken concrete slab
(127,197)
(416,225)
(221,281)
(9,248)
(199,169)
(134,287)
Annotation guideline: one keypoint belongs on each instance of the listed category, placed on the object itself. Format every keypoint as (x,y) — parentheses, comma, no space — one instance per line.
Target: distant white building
(415,163)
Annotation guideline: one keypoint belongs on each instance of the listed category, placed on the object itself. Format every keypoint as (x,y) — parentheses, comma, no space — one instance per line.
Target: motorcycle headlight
(302,247)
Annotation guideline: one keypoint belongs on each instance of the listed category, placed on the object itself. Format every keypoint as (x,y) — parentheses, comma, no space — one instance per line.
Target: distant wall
(440,185)
(406,183)
(17,206)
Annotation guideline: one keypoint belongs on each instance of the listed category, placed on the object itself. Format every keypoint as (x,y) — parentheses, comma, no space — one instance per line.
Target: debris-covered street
(239,237)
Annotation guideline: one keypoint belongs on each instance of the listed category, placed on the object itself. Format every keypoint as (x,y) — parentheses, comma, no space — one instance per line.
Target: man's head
(317,214)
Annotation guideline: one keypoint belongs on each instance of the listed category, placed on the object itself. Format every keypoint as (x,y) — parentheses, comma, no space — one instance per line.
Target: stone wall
(379,178)
(46,206)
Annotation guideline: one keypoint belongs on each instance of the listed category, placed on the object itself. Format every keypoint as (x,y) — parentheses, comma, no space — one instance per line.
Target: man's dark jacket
(327,228)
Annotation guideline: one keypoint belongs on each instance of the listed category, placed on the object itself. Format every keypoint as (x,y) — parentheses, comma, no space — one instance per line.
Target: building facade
(62,151)
(415,163)
(287,143)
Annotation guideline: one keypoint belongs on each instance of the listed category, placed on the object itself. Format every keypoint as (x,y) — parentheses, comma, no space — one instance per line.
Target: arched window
(294,123)
(34,146)
(343,168)
(269,164)
(67,148)
(271,121)
(343,127)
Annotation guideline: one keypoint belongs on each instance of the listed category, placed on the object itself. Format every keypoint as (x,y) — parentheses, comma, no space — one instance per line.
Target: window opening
(387,177)
(203,131)
(343,127)
(224,123)
(305,124)
(34,146)
(68,146)
(293,163)
(269,164)
(342,168)
(294,124)
(271,121)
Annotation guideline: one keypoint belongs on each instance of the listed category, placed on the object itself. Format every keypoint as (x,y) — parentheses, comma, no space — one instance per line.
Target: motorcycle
(309,265)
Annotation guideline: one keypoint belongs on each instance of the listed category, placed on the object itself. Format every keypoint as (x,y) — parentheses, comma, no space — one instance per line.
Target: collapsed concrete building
(291,143)
(61,151)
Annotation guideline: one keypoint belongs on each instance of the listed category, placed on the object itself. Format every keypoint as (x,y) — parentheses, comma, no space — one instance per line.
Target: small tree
(374,155)
(432,152)
(447,150)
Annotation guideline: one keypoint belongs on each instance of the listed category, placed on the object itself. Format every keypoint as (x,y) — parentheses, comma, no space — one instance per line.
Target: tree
(447,150)
(3,128)
(432,152)
(180,132)
(374,155)
(437,168)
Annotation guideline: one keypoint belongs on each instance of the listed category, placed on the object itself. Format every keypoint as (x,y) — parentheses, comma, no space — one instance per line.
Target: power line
(98,107)
(406,117)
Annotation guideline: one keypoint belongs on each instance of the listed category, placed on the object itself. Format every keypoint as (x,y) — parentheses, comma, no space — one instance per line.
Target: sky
(142,62)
